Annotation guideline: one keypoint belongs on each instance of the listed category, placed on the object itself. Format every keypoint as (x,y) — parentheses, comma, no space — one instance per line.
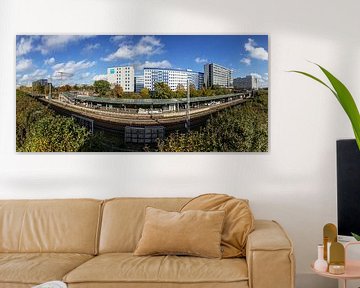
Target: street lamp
(187,123)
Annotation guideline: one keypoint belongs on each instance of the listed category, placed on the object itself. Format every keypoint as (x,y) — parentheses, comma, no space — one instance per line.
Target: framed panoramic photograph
(142,93)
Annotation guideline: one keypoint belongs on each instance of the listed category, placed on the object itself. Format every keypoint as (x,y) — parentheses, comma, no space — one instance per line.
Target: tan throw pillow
(196,233)
(239,220)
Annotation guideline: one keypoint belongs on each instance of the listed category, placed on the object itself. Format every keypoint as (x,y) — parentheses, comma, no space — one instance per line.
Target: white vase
(320,264)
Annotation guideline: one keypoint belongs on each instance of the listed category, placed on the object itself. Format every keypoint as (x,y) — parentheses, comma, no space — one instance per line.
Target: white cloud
(118,38)
(256,75)
(39,73)
(201,60)
(100,77)
(26,79)
(56,42)
(262,79)
(72,66)
(85,75)
(49,61)
(24,46)
(153,64)
(147,46)
(23,65)
(256,52)
(88,48)
(246,61)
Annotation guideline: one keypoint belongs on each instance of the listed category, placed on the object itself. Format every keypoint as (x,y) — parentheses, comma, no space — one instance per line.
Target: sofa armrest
(269,256)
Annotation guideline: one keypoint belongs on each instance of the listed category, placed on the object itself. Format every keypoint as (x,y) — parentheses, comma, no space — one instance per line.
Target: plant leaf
(347,102)
(316,79)
(344,97)
(356,236)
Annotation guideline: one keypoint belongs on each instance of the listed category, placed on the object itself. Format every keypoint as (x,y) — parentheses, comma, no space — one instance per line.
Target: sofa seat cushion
(36,268)
(127,268)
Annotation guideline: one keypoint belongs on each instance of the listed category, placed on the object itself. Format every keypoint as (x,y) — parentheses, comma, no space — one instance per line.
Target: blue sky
(86,57)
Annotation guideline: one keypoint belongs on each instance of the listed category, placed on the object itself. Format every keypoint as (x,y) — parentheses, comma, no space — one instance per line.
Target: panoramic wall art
(142,93)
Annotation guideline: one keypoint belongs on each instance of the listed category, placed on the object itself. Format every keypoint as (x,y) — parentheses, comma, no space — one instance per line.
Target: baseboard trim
(311,280)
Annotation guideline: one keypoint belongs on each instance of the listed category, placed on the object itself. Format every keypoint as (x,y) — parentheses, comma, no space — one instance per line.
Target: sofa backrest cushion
(238,224)
(123,220)
(64,226)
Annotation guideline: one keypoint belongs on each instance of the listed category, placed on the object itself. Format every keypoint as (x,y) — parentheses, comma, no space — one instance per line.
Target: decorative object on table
(340,267)
(337,258)
(51,284)
(344,97)
(320,264)
(329,236)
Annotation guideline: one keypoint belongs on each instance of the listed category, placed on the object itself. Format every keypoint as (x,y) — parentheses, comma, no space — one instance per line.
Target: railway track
(118,120)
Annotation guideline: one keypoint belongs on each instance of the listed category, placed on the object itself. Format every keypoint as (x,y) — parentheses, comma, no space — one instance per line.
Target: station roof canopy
(146,102)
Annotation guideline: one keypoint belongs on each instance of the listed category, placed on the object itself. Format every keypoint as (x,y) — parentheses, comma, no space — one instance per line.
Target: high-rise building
(139,83)
(40,82)
(249,82)
(172,77)
(123,76)
(217,75)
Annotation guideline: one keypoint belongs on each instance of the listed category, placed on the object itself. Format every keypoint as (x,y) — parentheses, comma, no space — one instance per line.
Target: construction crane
(59,75)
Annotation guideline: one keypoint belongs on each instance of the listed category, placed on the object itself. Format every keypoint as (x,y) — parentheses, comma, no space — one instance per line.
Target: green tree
(38,88)
(39,130)
(180,91)
(28,111)
(117,91)
(194,92)
(101,87)
(65,88)
(207,92)
(145,93)
(55,134)
(162,91)
(240,129)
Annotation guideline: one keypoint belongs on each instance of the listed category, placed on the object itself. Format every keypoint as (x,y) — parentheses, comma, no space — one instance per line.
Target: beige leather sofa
(89,243)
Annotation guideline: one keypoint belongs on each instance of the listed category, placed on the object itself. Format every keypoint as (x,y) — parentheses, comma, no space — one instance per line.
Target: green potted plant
(345,99)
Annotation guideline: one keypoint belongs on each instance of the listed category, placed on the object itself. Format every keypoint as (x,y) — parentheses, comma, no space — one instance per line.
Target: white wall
(295,183)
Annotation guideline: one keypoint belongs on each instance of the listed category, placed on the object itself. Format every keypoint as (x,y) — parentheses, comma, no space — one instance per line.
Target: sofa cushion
(63,226)
(193,232)
(36,268)
(239,220)
(123,220)
(126,268)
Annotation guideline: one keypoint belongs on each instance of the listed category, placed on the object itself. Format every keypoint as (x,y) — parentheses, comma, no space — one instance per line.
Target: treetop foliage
(38,129)
(240,129)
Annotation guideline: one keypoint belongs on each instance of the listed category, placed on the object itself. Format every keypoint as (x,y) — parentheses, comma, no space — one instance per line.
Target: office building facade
(123,76)
(250,82)
(172,77)
(40,82)
(217,75)
(139,83)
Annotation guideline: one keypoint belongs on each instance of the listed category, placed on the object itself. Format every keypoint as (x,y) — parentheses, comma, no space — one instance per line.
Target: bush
(38,129)
(55,134)
(240,129)
(28,111)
